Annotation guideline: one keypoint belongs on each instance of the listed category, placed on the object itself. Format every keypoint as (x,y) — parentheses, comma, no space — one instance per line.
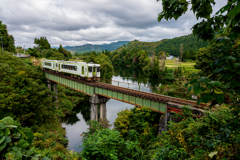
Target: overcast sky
(78,22)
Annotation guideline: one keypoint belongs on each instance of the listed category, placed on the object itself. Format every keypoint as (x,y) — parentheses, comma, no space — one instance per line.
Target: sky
(78,22)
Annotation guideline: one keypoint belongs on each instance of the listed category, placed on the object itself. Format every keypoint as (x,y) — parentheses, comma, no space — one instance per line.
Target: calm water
(77,124)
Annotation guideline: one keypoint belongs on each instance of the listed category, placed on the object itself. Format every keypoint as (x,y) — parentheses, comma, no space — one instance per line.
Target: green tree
(15,141)
(67,54)
(42,43)
(34,52)
(225,76)
(8,40)
(60,49)
(23,93)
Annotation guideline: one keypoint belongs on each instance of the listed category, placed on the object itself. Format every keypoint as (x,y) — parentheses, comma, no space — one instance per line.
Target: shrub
(15,141)
(214,135)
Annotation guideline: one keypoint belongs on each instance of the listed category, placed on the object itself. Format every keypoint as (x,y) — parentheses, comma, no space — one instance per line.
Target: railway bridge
(99,93)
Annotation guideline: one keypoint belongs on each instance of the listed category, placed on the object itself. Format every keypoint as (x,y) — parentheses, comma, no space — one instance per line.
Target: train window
(47,64)
(56,64)
(98,69)
(82,69)
(90,69)
(94,69)
(75,68)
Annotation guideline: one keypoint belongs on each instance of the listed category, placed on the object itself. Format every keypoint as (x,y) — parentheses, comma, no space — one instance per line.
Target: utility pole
(181,53)
(2,44)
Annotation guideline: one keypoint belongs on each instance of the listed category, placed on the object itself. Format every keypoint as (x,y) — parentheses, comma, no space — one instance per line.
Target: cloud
(77,22)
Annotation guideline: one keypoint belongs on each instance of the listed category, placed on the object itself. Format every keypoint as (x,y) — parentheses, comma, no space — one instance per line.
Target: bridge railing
(158,90)
(130,85)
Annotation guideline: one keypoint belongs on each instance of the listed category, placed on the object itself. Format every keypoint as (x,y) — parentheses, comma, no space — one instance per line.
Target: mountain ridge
(89,47)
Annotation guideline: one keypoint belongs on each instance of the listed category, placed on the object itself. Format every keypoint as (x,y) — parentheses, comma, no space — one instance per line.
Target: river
(77,124)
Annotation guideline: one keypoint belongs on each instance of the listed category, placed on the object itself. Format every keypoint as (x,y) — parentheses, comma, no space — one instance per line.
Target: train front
(94,71)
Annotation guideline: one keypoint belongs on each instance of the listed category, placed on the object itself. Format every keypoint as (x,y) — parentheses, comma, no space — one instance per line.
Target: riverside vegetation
(25,97)
(214,136)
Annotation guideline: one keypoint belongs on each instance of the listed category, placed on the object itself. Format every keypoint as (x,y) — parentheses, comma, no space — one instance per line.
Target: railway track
(145,95)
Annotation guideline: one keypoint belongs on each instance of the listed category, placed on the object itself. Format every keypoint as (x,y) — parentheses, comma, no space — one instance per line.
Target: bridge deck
(107,90)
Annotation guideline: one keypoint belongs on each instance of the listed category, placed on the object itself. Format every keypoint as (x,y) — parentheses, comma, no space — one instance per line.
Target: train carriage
(49,64)
(83,70)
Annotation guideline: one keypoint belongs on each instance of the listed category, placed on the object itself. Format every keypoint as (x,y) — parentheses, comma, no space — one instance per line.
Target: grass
(189,66)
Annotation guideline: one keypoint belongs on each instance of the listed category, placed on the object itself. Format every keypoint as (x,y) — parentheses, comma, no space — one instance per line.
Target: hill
(172,46)
(90,47)
(138,45)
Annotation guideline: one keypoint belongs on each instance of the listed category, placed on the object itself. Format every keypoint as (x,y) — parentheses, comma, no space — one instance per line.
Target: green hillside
(138,45)
(97,48)
(172,46)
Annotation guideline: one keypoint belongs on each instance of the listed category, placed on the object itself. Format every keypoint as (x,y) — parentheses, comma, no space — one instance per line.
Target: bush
(104,143)
(138,123)
(212,136)
(23,92)
(15,141)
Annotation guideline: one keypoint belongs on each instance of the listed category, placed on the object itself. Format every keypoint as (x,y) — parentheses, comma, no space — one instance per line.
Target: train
(81,70)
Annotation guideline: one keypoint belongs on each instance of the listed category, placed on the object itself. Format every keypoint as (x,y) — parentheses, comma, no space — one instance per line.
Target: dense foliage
(15,141)
(6,40)
(44,50)
(25,96)
(216,135)
(138,124)
(42,43)
(212,136)
(23,93)
(190,45)
(134,136)
(149,47)
(218,82)
(50,53)
(133,132)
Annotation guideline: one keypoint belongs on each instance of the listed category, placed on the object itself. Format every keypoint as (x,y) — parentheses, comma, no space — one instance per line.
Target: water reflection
(76,124)
(84,108)
(135,76)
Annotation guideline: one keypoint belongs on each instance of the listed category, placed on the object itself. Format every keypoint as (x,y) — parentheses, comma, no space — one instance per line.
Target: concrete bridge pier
(56,96)
(94,107)
(163,121)
(103,110)
(95,100)
(55,90)
(49,84)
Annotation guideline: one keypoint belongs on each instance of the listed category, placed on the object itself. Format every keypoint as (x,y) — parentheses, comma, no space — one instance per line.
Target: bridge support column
(94,107)
(103,110)
(95,100)
(163,121)
(49,84)
(56,96)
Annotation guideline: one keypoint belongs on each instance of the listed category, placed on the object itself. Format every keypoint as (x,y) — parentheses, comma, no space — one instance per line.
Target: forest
(190,43)
(6,39)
